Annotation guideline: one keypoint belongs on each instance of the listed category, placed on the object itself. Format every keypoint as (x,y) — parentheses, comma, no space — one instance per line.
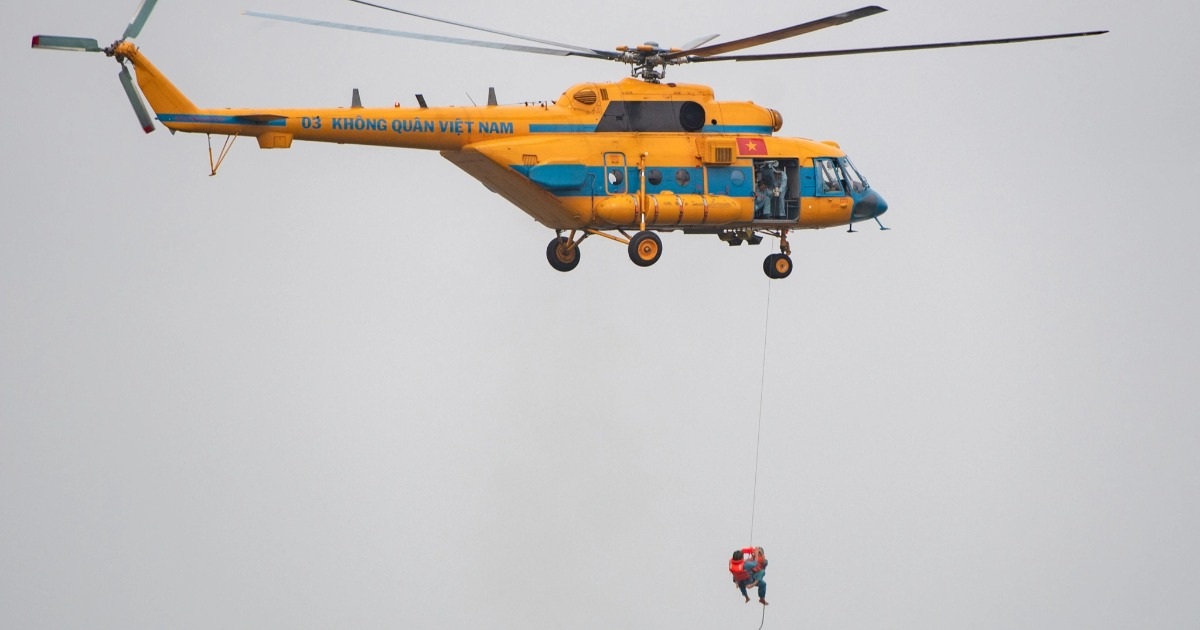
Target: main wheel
(645,248)
(777,266)
(563,254)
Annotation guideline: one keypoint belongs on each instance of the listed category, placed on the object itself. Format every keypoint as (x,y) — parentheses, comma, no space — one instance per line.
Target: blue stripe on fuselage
(565,128)
(748,129)
(733,181)
(549,128)
(202,119)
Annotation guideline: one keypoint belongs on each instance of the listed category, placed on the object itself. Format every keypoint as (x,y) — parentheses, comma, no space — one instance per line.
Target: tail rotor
(87,44)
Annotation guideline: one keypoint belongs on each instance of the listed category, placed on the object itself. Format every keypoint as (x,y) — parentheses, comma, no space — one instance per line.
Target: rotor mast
(647,62)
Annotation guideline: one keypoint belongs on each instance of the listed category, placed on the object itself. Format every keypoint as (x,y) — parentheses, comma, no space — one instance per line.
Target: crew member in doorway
(762,201)
(769,201)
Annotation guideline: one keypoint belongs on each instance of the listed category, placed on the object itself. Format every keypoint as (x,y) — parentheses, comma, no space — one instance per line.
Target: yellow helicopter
(623,160)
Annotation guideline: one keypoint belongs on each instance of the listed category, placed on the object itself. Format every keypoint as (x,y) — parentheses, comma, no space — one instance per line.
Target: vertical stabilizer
(163,96)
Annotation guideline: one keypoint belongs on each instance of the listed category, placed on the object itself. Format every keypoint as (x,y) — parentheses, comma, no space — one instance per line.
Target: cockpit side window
(830,180)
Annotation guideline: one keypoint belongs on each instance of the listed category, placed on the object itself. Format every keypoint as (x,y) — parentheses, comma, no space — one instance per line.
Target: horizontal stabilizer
(259,119)
(247,120)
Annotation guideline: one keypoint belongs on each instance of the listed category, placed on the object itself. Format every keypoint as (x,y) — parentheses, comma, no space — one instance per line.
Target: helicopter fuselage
(604,156)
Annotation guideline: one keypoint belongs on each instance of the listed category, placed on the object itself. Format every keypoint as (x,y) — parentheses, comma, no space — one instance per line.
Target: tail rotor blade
(139,20)
(54,42)
(135,99)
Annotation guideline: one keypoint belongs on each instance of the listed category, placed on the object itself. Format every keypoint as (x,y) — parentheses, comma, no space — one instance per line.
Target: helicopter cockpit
(838,178)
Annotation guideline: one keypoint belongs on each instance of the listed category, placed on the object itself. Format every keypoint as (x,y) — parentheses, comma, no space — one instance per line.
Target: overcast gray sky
(339,386)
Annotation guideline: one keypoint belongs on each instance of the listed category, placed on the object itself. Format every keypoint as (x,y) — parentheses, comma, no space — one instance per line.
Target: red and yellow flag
(751,146)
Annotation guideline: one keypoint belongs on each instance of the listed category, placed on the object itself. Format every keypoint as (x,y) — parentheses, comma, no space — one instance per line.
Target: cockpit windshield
(856,181)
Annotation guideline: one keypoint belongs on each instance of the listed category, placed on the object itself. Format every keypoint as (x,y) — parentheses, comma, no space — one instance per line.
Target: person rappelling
(749,566)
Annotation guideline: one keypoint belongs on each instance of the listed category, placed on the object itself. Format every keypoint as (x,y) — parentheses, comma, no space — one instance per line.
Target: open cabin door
(777,189)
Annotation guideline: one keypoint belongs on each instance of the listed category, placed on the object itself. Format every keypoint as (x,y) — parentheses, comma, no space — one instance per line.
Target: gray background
(339,386)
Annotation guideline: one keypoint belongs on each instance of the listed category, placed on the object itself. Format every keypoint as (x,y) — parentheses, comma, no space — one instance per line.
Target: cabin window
(616,179)
(654,176)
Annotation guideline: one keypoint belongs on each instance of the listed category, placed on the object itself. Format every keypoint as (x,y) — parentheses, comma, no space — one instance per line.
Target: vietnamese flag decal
(751,146)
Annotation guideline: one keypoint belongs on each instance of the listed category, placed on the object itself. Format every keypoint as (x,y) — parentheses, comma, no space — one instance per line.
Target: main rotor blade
(139,19)
(488,30)
(135,99)
(698,42)
(883,49)
(774,36)
(430,38)
(54,42)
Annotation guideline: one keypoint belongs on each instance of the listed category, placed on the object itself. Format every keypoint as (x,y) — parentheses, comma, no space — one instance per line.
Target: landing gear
(777,266)
(645,248)
(563,253)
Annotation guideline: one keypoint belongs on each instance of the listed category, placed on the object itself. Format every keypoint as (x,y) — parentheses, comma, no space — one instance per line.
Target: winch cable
(762,386)
(761,389)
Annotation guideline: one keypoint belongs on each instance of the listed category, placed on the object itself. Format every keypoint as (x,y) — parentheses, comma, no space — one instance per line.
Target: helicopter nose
(869,206)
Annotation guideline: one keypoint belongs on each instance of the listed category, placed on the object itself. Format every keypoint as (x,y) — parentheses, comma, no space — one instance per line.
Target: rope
(761,388)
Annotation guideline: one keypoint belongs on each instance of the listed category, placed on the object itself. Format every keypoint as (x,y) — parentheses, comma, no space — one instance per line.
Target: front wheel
(645,248)
(563,254)
(777,266)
